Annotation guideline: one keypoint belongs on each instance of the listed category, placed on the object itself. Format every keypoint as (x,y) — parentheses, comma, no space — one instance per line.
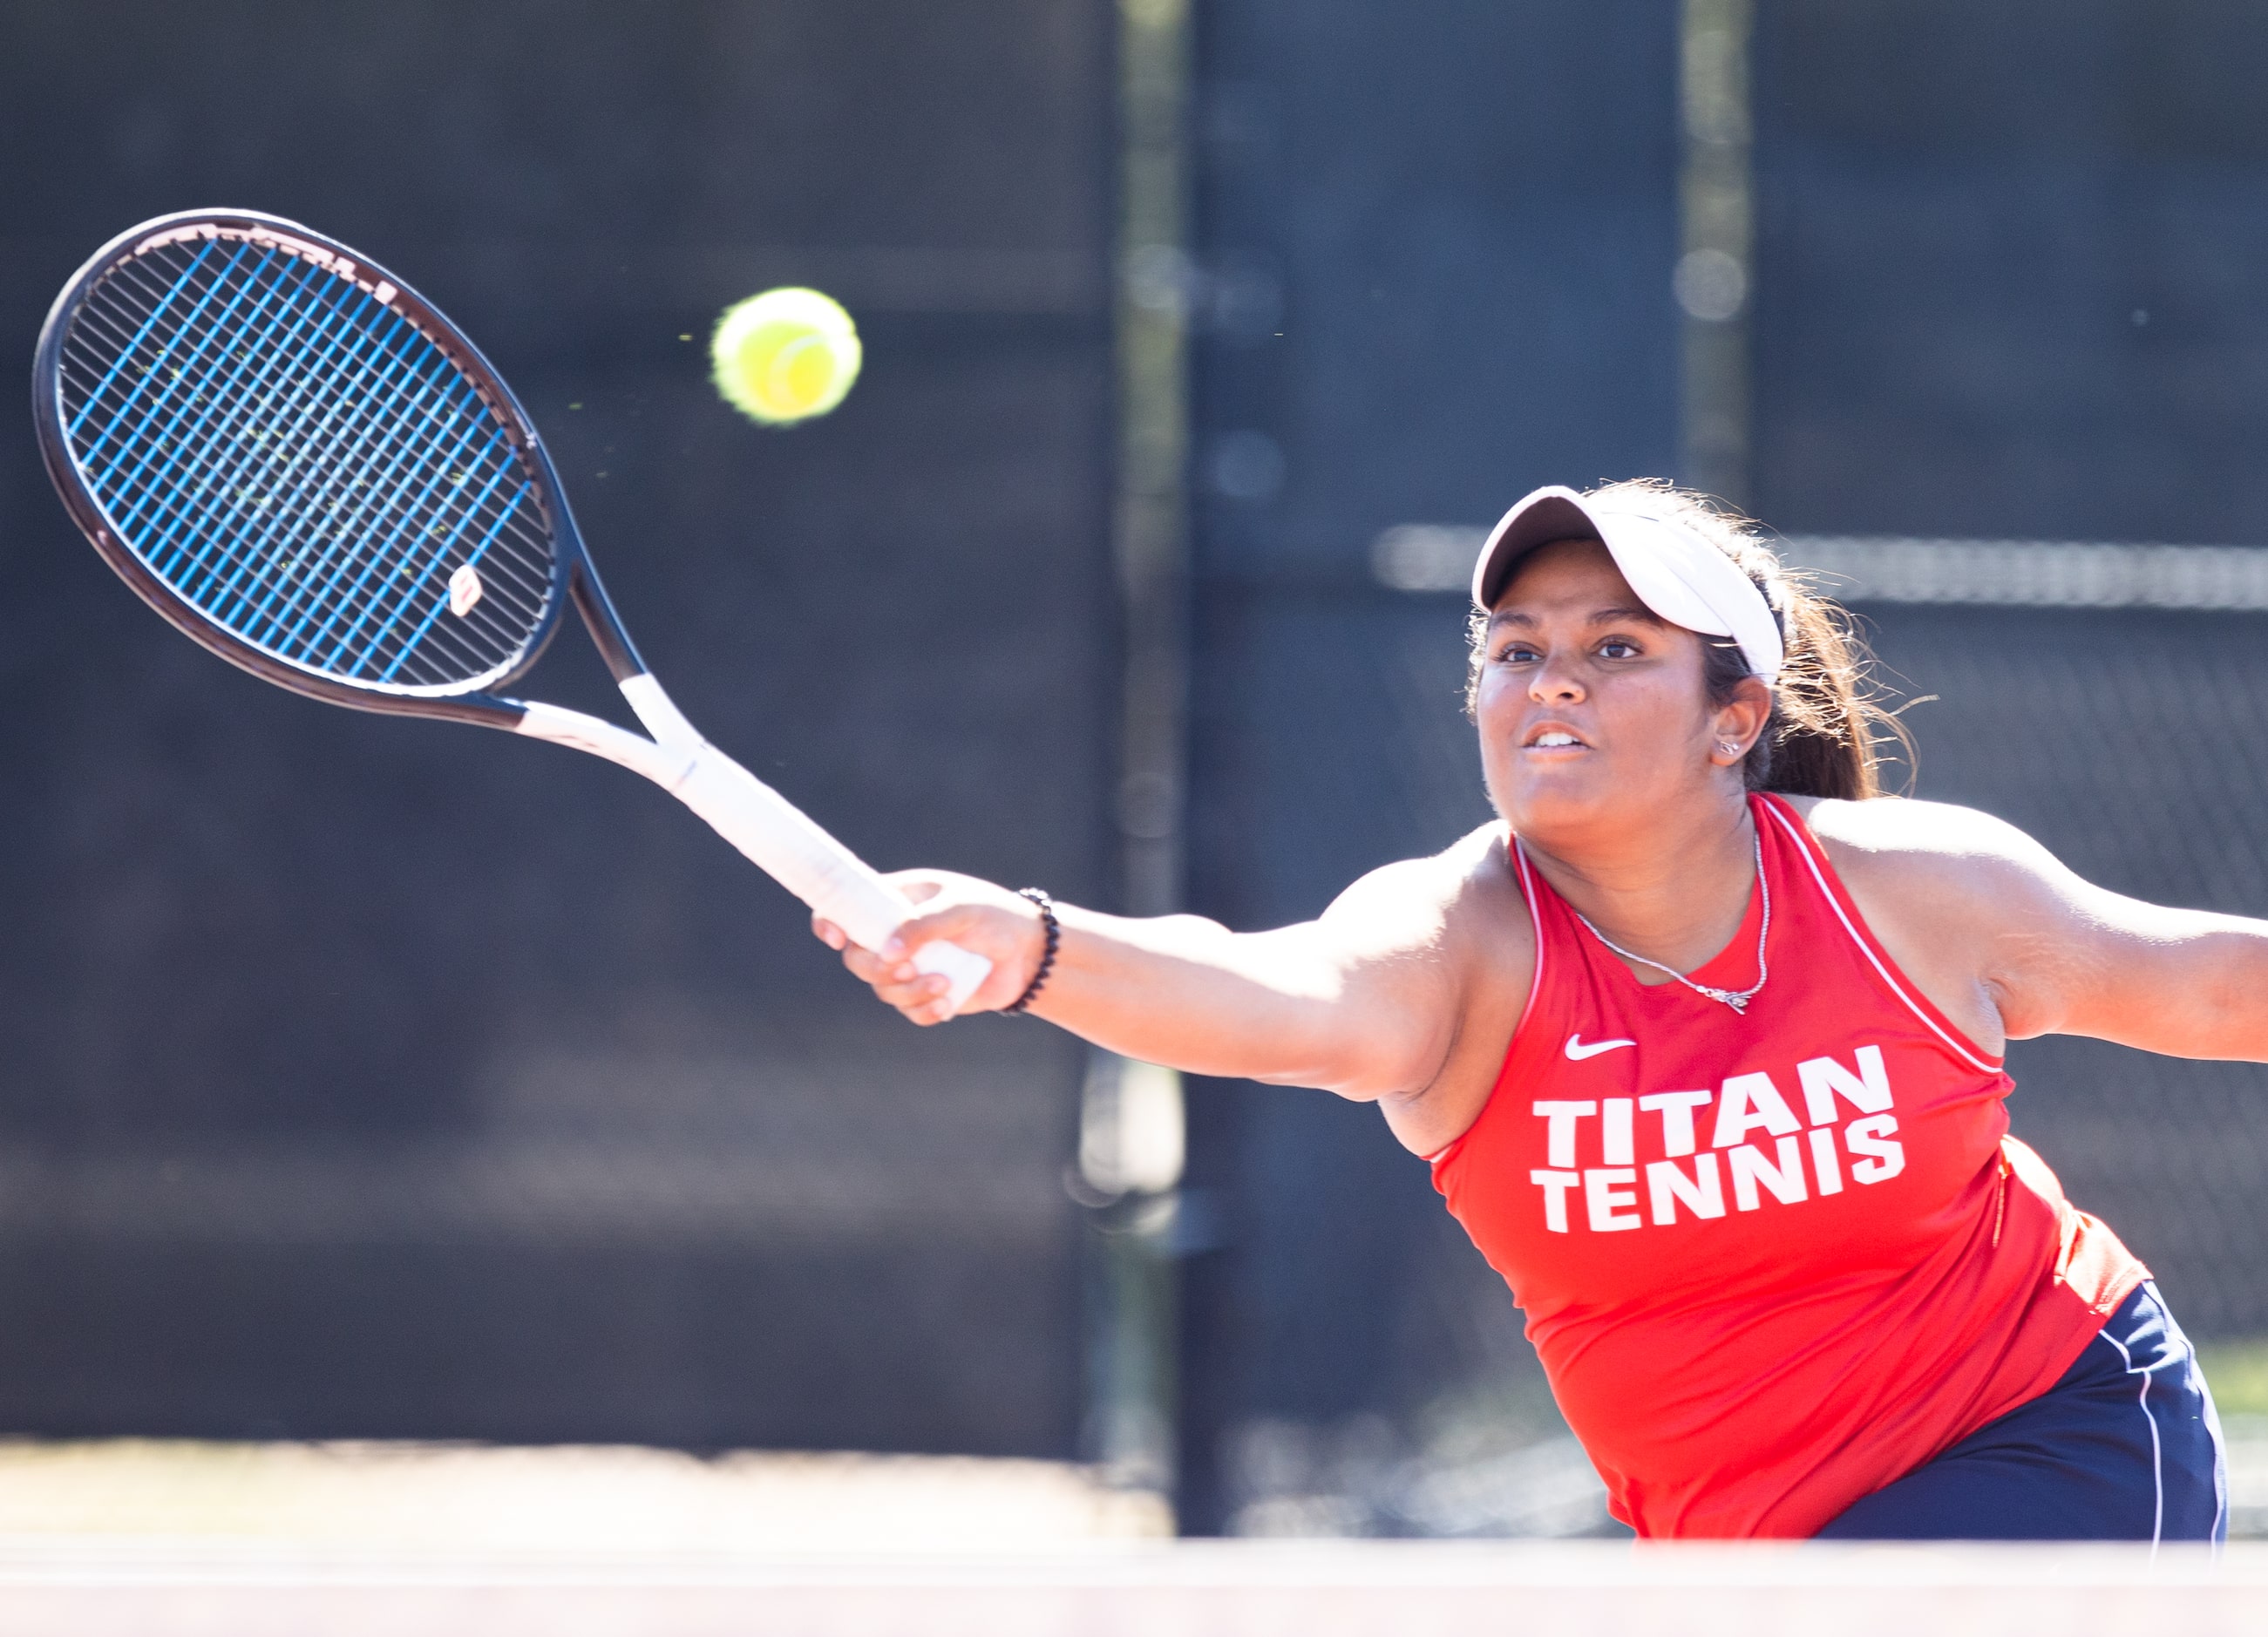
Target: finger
(894,981)
(948,923)
(828,933)
(929,1011)
(882,972)
(915,886)
(922,994)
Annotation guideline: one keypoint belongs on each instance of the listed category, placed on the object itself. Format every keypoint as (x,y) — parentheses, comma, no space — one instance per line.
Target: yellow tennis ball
(784,355)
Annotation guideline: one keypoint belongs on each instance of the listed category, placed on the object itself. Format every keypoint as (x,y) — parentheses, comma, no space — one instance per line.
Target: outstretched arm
(2187,982)
(1365,1001)
(2052,954)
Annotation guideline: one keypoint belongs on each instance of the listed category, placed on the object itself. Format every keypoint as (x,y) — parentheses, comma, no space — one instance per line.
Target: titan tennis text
(1618,1194)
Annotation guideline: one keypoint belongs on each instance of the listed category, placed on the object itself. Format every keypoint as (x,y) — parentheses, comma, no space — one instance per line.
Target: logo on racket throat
(464,589)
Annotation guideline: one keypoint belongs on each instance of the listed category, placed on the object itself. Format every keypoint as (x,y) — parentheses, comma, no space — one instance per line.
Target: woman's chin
(1566,795)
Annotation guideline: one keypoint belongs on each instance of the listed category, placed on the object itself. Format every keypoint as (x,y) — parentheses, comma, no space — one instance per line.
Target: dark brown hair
(1825,721)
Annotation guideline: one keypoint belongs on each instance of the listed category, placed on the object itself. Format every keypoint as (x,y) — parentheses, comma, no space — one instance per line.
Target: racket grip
(787,846)
(963,970)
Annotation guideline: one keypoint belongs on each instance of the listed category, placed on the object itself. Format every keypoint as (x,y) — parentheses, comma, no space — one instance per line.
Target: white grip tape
(963,971)
(794,851)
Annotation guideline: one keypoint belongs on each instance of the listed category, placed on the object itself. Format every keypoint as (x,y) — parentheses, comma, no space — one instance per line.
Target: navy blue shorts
(2125,1446)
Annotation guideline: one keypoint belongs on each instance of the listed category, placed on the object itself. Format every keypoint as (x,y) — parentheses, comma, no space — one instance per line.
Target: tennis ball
(784,355)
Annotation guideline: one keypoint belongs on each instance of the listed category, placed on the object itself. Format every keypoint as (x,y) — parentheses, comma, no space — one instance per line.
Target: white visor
(1675,572)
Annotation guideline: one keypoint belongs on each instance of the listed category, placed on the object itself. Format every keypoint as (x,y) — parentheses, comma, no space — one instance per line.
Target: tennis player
(1702,1039)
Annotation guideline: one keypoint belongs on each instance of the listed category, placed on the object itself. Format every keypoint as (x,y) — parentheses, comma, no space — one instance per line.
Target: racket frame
(763,825)
(572,576)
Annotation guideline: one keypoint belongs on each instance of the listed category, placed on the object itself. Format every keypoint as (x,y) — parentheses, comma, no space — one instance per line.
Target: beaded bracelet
(1053,929)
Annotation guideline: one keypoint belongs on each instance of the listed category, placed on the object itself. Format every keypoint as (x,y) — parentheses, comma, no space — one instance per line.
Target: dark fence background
(366,1077)
(1458,222)
(2012,282)
(362,1078)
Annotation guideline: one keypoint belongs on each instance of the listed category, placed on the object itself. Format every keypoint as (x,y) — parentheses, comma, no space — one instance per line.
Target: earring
(1729,747)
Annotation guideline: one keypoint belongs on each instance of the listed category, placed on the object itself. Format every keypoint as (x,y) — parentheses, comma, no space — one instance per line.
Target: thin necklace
(1738,1002)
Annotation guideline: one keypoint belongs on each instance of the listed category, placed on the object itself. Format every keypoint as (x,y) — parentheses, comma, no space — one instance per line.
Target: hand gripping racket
(301,463)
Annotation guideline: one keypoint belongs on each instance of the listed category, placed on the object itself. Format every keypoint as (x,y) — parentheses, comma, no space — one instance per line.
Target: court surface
(1135,1589)
(254,1539)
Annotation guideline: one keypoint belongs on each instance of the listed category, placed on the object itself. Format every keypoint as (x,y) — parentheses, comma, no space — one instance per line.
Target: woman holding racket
(1703,1041)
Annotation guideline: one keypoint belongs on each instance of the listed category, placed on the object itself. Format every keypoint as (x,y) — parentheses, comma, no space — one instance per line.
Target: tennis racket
(296,460)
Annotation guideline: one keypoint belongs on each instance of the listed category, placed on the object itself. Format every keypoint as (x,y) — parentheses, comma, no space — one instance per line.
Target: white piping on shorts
(2221,1475)
(2157,1461)
(2219,1462)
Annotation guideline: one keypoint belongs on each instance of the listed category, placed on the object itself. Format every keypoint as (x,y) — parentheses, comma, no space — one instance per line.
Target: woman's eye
(1516,654)
(1616,648)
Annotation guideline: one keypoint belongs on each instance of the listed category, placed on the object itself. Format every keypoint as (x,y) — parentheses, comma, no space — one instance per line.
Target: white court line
(119,1561)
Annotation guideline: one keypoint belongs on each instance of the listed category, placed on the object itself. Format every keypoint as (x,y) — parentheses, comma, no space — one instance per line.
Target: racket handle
(960,968)
(839,886)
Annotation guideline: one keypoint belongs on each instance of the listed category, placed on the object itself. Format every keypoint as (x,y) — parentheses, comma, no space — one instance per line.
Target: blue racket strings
(305,466)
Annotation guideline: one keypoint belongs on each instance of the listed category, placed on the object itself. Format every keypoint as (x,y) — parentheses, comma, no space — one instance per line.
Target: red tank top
(1770,1262)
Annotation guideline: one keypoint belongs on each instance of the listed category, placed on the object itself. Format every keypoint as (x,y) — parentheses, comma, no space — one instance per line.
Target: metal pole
(1130,1119)
(1714,277)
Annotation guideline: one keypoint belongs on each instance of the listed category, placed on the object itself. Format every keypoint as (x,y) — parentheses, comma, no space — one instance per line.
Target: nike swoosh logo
(1577,1050)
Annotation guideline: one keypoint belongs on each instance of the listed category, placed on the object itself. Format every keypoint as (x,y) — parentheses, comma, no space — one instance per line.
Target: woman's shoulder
(1469,888)
(1478,863)
(1938,884)
(1895,838)
(1460,915)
